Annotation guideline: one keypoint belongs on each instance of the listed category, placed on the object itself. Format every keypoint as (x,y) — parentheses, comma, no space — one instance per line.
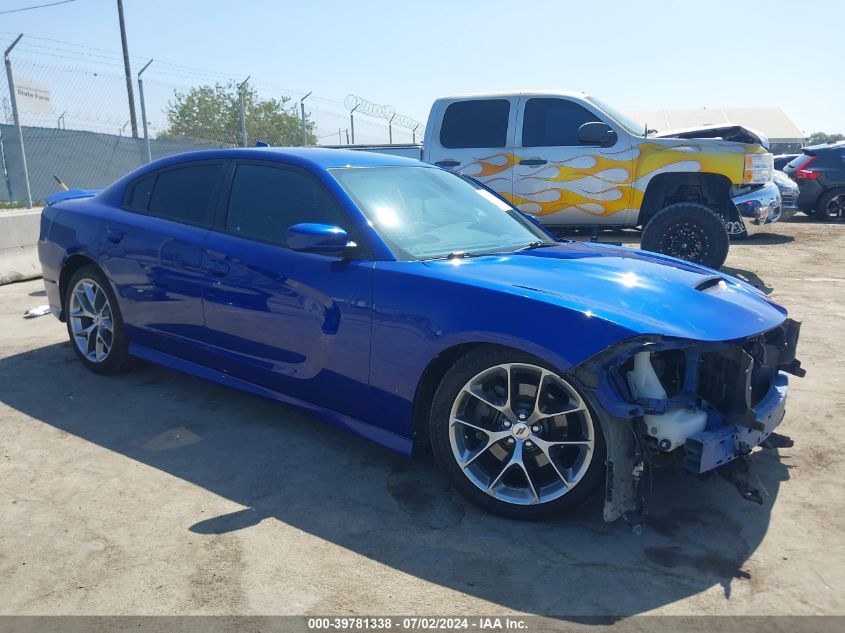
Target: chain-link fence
(77,130)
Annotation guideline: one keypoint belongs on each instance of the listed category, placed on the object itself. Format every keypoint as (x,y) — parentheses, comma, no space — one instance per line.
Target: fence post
(17,119)
(352,122)
(242,101)
(144,111)
(414,133)
(390,128)
(302,118)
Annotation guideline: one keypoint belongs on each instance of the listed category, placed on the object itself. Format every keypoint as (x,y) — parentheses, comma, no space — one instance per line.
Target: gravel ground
(158,493)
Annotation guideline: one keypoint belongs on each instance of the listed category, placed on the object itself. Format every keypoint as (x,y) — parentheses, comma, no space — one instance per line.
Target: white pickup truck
(572,161)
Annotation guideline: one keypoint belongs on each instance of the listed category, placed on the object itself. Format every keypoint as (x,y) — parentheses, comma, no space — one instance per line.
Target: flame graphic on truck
(603,184)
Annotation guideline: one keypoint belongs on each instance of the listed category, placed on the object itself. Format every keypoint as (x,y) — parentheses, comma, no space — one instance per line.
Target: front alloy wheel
(520,438)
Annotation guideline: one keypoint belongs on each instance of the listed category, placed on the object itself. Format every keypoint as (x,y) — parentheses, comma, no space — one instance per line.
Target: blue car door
(152,251)
(293,322)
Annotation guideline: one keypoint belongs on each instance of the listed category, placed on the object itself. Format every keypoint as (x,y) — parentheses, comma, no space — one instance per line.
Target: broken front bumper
(708,450)
(740,384)
(756,210)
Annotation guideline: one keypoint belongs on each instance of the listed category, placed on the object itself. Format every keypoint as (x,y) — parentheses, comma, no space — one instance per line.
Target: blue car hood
(645,293)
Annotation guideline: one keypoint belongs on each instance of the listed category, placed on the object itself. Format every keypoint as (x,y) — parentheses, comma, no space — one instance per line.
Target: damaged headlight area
(695,405)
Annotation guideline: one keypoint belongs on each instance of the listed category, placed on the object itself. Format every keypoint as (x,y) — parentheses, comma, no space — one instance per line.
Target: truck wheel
(687,231)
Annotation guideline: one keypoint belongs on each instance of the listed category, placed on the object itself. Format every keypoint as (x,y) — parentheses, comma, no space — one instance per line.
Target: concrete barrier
(19,245)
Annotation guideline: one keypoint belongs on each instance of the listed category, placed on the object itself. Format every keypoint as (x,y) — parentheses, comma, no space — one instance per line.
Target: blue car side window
(266,200)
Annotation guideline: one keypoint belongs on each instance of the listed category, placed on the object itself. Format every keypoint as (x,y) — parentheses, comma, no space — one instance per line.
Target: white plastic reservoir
(670,429)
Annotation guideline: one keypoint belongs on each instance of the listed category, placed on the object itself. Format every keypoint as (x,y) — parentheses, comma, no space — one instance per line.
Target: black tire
(831,205)
(116,359)
(688,231)
(466,368)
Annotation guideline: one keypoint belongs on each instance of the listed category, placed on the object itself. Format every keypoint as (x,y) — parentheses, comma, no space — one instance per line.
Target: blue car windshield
(425,213)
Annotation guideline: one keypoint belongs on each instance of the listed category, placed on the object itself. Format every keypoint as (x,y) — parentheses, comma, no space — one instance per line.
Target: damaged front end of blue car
(698,406)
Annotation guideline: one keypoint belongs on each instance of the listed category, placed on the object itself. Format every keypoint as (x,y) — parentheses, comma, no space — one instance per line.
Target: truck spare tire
(689,231)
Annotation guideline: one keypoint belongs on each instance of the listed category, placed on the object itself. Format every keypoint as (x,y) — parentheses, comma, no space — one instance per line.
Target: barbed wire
(376,110)
(387,112)
(408,123)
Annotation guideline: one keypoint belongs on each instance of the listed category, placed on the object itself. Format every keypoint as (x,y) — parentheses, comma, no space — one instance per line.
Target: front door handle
(447,163)
(114,235)
(218,268)
(533,162)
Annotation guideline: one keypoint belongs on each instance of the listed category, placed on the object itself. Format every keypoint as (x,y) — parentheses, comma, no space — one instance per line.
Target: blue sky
(634,55)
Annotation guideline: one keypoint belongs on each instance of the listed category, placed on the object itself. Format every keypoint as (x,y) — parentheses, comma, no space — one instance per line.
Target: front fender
(417,318)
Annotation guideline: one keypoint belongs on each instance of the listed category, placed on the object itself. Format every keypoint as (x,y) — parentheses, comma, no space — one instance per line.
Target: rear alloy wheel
(94,323)
(688,231)
(515,437)
(831,205)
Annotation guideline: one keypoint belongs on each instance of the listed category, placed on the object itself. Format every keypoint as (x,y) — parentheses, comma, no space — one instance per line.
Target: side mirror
(596,133)
(317,238)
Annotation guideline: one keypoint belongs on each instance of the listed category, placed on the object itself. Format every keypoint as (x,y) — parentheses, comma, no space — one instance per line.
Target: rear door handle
(447,163)
(114,235)
(533,162)
(218,268)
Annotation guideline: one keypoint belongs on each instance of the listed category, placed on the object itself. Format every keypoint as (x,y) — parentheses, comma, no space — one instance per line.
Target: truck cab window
(553,122)
(481,123)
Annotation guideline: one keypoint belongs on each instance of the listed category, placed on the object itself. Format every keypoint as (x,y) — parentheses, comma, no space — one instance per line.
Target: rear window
(481,123)
(798,162)
(184,194)
(138,197)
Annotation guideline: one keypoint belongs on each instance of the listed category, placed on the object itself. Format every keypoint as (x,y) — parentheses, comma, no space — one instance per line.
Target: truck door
(476,137)
(562,181)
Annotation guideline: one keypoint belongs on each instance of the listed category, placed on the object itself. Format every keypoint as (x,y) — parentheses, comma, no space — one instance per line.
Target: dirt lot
(155,492)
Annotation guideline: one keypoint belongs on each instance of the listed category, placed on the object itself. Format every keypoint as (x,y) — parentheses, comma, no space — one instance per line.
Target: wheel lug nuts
(506,424)
(510,440)
(528,443)
(535,428)
(522,416)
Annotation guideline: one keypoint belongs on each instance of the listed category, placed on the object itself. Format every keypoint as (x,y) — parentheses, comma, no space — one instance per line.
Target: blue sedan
(414,307)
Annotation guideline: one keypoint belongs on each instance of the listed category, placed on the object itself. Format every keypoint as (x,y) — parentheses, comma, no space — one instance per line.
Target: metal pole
(347,136)
(60,120)
(339,138)
(352,121)
(144,111)
(242,100)
(16,117)
(127,69)
(390,129)
(302,118)
(414,134)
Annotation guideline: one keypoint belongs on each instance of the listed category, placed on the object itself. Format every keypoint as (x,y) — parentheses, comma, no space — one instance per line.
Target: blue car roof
(319,157)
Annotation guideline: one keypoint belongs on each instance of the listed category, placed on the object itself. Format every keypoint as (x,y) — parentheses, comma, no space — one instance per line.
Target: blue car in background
(414,307)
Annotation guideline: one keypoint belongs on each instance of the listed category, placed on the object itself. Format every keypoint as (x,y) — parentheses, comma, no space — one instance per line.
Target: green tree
(212,113)
(817,138)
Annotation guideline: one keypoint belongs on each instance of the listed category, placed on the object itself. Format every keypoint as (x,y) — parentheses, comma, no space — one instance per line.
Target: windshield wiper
(531,246)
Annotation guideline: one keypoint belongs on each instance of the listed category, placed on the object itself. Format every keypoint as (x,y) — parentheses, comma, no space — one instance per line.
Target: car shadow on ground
(283,465)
